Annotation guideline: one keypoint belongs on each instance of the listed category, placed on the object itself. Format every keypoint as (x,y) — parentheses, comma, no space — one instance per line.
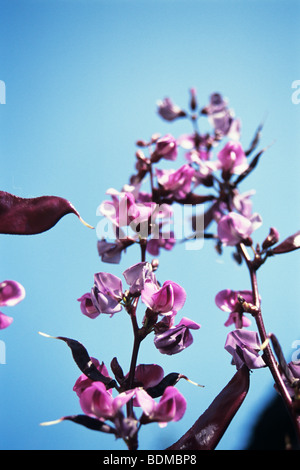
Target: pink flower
(233,228)
(232,158)
(155,244)
(166,300)
(107,293)
(242,202)
(221,117)
(168,110)
(11,293)
(166,148)
(171,406)
(227,300)
(176,182)
(177,338)
(244,346)
(137,275)
(148,375)
(95,400)
(84,382)
(123,210)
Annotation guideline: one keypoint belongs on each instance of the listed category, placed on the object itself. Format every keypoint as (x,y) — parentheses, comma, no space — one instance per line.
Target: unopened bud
(271,239)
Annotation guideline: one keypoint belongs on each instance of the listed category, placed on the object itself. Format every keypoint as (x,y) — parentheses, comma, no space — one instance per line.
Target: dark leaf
(289,244)
(255,140)
(117,370)
(84,362)
(90,423)
(208,430)
(22,216)
(169,380)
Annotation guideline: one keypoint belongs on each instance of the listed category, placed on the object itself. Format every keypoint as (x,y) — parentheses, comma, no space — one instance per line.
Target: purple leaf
(83,361)
(29,216)
(169,380)
(289,244)
(90,423)
(209,428)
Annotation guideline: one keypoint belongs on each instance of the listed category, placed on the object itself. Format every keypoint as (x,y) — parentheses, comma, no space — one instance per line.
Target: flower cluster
(99,402)
(142,213)
(213,166)
(162,303)
(206,174)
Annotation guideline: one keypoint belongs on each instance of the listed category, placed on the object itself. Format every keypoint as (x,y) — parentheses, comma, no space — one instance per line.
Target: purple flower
(155,244)
(87,307)
(242,203)
(244,347)
(137,275)
(227,300)
(176,338)
(110,252)
(233,228)
(95,400)
(123,210)
(171,406)
(107,293)
(148,375)
(168,110)
(166,300)
(176,182)
(221,117)
(11,293)
(166,148)
(232,158)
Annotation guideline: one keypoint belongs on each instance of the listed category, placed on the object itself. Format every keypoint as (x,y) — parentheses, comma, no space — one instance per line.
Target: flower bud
(271,239)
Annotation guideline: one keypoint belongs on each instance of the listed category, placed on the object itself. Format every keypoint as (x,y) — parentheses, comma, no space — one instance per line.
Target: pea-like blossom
(87,307)
(11,293)
(110,252)
(96,400)
(154,245)
(107,293)
(176,183)
(242,203)
(148,375)
(84,382)
(171,406)
(166,300)
(232,158)
(169,110)
(227,300)
(137,275)
(177,338)
(123,210)
(166,148)
(221,117)
(233,228)
(244,346)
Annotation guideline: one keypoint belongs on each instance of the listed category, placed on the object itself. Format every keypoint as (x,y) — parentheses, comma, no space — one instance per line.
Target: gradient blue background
(82,80)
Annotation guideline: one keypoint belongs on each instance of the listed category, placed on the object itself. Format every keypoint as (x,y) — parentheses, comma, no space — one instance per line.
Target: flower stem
(268,353)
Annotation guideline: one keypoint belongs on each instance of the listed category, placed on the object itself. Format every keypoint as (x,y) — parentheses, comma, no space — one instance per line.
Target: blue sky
(82,80)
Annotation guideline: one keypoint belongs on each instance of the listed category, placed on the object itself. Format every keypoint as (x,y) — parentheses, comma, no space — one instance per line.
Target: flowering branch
(143,216)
